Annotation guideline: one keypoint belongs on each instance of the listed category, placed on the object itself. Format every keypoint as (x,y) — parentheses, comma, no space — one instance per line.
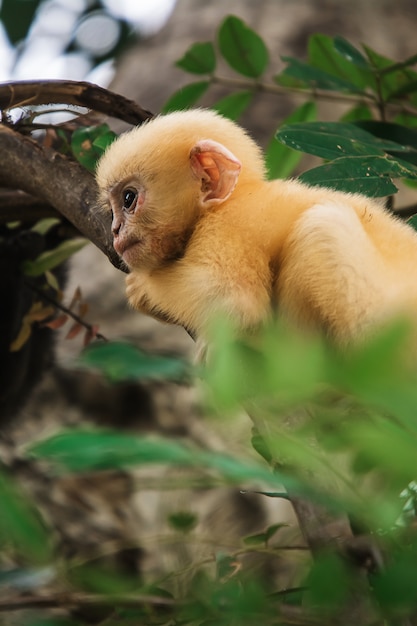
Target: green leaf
(81,450)
(394,78)
(184,521)
(44,225)
(331,140)
(388,446)
(89,143)
(281,161)
(405,137)
(122,361)
(413,222)
(52,258)
(351,175)
(394,585)
(370,175)
(331,56)
(242,47)
(328,582)
(265,536)
(350,53)
(234,105)
(314,78)
(104,140)
(200,58)
(185,97)
(20,525)
(84,450)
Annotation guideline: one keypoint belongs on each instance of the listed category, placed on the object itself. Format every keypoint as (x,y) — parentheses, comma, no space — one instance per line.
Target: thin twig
(61,307)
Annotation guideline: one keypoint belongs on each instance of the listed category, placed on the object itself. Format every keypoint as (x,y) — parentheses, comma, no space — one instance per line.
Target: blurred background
(131,46)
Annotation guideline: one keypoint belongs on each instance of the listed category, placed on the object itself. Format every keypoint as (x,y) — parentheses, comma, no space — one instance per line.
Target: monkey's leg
(333,277)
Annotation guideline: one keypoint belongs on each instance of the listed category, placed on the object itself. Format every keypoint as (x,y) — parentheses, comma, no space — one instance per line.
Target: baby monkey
(204,233)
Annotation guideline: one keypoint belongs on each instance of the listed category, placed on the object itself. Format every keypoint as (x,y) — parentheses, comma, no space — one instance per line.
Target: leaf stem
(61,307)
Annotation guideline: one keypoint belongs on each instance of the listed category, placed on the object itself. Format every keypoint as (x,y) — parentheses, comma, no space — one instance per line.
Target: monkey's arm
(191,294)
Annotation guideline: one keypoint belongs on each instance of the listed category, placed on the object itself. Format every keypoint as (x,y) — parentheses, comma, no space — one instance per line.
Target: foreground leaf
(20,526)
(122,361)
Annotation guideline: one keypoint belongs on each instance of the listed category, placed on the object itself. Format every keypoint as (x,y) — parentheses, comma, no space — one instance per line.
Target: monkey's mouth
(123,246)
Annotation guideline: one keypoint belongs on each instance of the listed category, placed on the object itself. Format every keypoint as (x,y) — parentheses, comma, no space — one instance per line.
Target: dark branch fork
(48,176)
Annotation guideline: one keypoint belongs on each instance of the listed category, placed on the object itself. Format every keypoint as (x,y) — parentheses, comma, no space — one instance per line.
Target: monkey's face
(127,199)
(146,231)
(161,177)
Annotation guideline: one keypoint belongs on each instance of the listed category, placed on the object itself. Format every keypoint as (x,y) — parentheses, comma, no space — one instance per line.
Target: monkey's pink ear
(217,169)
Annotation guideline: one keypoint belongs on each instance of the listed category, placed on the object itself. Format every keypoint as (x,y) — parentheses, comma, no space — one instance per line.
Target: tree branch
(57,181)
(76,93)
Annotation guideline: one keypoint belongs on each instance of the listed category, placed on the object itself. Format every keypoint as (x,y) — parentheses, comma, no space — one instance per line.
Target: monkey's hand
(139,297)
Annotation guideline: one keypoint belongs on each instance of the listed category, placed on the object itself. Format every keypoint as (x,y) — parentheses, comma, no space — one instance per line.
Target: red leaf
(77,297)
(57,322)
(91,333)
(74,330)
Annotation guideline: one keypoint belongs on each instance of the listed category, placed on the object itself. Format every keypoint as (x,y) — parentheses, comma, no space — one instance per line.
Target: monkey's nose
(116,226)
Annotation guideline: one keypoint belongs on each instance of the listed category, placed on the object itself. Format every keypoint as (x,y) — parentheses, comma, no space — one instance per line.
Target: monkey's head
(159,178)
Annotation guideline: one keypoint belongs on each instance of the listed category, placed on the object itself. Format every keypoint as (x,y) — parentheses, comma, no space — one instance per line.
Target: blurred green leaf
(282,365)
(264,537)
(81,450)
(52,258)
(331,55)
(314,77)
(281,161)
(350,53)
(234,105)
(183,521)
(51,621)
(122,361)
(328,582)
(87,450)
(185,97)
(88,144)
(20,526)
(104,139)
(388,446)
(17,17)
(242,47)
(393,77)
(200,58)
(395,585)
(44,225)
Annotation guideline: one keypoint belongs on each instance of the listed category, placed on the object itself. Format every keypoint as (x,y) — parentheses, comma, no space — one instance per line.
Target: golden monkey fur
(204,233)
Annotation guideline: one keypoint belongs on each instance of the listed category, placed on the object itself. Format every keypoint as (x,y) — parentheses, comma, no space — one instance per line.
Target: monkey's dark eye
(129,197)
